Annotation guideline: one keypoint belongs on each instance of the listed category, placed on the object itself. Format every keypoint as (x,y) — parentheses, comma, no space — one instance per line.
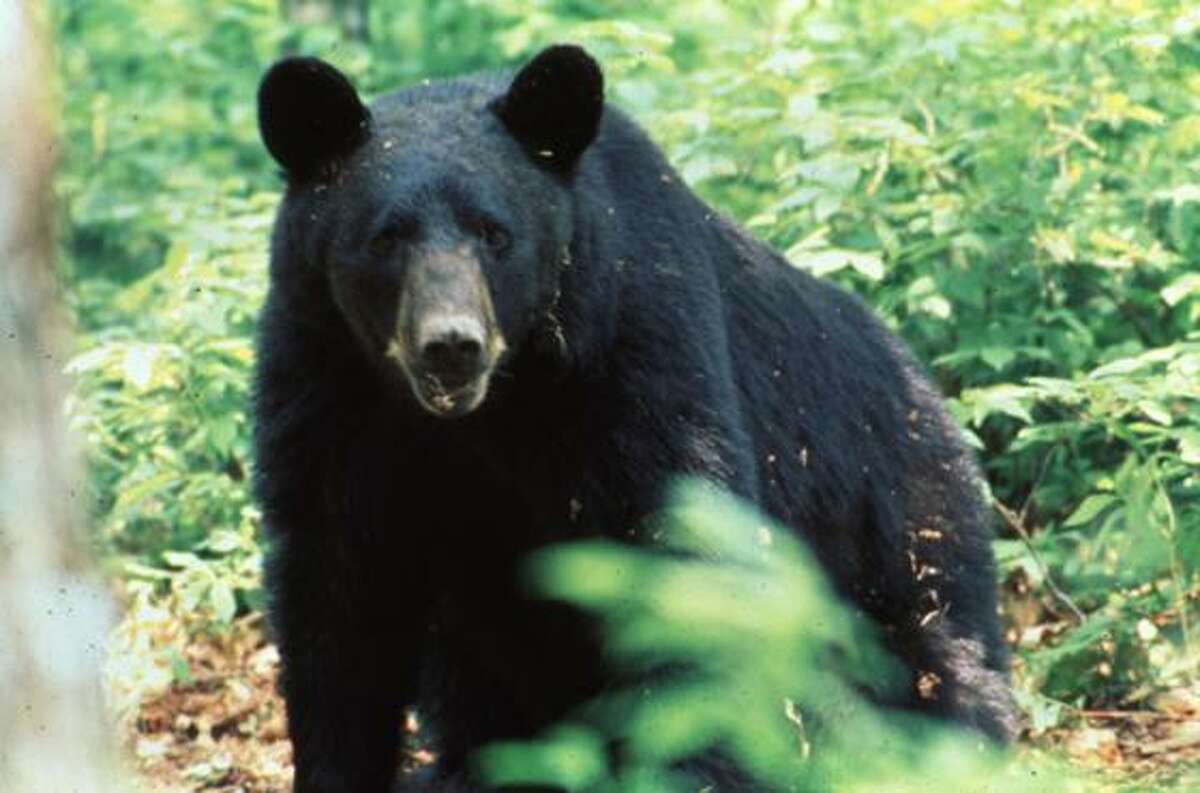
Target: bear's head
(437,221)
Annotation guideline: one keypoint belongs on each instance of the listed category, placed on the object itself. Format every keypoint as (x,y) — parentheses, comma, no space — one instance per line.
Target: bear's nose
(451,347)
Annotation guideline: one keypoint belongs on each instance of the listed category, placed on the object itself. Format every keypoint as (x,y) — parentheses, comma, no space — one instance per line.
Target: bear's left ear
(553,106)
(309,114)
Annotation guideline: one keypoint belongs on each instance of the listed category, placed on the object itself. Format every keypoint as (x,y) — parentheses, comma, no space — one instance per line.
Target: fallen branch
(1016,523)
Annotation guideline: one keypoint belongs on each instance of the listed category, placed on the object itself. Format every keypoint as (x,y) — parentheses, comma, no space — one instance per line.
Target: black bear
(498,319)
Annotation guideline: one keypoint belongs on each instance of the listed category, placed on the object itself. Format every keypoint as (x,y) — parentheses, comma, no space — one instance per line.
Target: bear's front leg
(347,675)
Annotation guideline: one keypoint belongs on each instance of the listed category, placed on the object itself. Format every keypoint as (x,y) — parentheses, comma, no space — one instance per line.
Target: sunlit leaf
(1091,507)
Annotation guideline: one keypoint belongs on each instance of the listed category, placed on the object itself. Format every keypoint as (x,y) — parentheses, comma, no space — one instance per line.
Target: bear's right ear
(309,114)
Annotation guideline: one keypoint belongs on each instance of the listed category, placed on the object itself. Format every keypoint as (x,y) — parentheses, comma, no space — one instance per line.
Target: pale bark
(54,612)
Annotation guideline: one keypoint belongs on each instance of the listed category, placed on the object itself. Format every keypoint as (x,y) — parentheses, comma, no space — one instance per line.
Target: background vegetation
(1013,184)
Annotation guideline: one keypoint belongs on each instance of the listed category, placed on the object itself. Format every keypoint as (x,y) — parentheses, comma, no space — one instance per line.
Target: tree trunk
(55,612)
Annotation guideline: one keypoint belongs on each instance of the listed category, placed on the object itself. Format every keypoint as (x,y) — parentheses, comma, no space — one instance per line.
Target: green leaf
(1044,713)
(829,261)
(223,541)
(1181,288)
(569,756)
(1121,366)
(180,670)
(89,361)
(223,433)
(139,570)
(937,306)
(1004,399)
(1090,509)
(997,357)
(1189,447)
(182,560)
(138,366)
(222,601)
(1155,412)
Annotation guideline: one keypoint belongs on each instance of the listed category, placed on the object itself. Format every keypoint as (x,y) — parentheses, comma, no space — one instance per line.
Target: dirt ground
(217,724)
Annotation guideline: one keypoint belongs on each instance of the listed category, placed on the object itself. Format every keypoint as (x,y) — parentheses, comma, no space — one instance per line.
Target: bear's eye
(494,236)
(391,235)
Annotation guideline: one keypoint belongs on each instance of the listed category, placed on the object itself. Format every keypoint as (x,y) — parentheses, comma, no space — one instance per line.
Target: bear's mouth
(449,396)
(446,394)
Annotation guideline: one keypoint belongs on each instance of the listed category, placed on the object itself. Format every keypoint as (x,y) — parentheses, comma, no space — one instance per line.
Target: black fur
(647,337)
(308,114)
(554,105)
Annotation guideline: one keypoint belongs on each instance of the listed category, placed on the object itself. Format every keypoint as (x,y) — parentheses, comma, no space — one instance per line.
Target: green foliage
(1119,488)
(745,610)
(162,396)
(1013,184)
(158,124)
